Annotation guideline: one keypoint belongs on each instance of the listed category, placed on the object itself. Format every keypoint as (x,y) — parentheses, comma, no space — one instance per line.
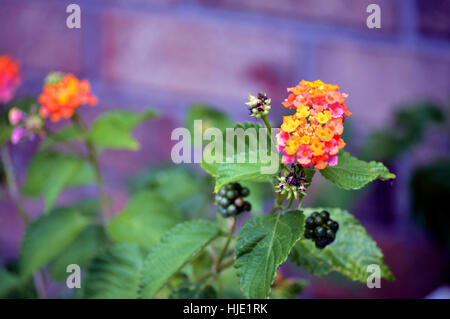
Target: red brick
(379,80)
(349,13)
(188,55)
(37,35)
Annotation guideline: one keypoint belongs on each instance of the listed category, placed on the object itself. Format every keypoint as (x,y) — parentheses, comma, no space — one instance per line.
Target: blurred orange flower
(60,100)
(10,78)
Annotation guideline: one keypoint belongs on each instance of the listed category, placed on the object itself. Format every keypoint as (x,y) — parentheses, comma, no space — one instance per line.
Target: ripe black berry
(309,222)
(245,192)
(309,233)
(230,200)
(324,214)
(321,229)
(330,234)
(321,243)
(318,220)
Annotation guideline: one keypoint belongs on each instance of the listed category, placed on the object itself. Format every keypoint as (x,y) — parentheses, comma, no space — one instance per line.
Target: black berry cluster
(321,229)
(230,200)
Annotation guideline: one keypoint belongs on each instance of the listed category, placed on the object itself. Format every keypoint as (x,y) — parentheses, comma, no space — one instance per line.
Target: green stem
(300,200)
(278,201)
(11,183)
(13,190)
(221,267)
(227,243)
(264,118)
(93,159)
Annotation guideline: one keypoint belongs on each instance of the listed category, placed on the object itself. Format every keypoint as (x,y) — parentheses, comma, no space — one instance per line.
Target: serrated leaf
(48,236)
(81,251)
(144,220)
(112,129)
(264,242)
(49,173)
(350,254)
(176,248)
(233,169)
(115,273)
(234,172)
(352,173)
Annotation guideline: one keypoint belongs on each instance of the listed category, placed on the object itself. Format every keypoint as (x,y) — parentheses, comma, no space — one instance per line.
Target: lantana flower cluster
(312,136)
(25,125)
(60,99)
(10,78)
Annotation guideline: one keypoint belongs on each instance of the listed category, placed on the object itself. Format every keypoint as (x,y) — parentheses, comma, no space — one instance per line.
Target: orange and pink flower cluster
(312,136)
(60,100)
(10,78)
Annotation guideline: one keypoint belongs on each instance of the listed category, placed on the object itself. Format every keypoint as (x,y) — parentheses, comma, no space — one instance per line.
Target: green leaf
(112,129)
(5,128)
(8,282)
(66,134)
(352,173)
(229,173)
(48,236)
(145,219)
(115,274)
(350,254)
(187,290)
(231,170)
(182,186)
(209,116)
(49,173)
(81,251)
(176,248)
(264,242)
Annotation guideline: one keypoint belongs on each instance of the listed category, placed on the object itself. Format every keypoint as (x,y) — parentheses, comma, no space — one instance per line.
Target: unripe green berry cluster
(230,200)
(321,229)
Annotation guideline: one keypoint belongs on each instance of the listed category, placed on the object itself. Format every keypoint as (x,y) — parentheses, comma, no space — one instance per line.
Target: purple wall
(167,54)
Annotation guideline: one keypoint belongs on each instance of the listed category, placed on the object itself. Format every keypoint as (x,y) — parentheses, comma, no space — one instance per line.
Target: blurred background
(169,54)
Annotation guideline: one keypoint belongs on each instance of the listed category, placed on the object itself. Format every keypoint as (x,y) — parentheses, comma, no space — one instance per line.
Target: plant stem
(227,243)
(93,159)
(11,183)
(13,190)
(264,118)
(300,200)
(221,267)
(278,201)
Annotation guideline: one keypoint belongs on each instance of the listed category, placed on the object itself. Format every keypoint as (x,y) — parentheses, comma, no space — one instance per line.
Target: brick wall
(169,53)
